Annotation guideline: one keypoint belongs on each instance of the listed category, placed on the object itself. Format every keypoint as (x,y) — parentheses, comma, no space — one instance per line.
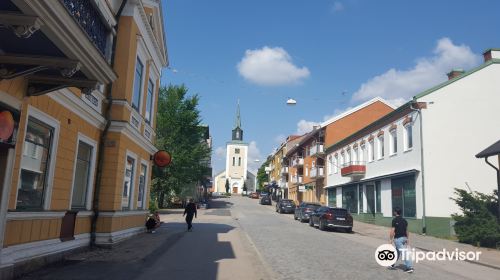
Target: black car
(285,206)
(330,217)
(304,209)
(265,200)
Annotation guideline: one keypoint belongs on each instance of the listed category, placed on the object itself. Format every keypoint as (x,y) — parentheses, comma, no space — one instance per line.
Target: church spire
(237,123)
(237,131)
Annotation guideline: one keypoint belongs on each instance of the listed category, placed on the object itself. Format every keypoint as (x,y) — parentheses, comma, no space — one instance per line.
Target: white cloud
(304,126)
(253,154)
(337,6)
(398,86)
(270,67)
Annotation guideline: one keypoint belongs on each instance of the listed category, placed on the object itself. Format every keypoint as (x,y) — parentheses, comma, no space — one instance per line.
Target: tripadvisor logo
(386,255)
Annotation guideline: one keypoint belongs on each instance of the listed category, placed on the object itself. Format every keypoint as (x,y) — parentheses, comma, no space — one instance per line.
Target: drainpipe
(102,139)
(419,110)
(497,169)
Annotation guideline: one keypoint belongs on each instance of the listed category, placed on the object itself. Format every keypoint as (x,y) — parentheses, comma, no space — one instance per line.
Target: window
(237,151)
(336,164)
(341,159)
(408,137)
(332,197)
(361,156)
(350,198)
(330,163)
(149,102)
(348,156)
(142,187)
(239,161)
(381,147)
(35,164)
(307,170)
(403,195)
(355,154)
(234,161)
(82,175)
(136,97)
(371,150)
(128,182)
(394,141)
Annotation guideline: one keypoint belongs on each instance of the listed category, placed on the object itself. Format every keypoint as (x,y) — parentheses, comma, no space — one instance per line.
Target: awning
(492,150)
(392,175)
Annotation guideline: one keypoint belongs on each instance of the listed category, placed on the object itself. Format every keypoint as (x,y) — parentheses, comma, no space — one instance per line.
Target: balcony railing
(318,150)
(297,179)
(317,172)
(298,161)
(284,170)
(353,169)
(89,19)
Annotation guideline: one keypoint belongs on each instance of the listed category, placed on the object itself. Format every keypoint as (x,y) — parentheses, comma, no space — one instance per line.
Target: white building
(236,172)
(415,156)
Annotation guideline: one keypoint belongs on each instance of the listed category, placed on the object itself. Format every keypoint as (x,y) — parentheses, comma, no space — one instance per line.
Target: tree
(262,175)
(227,185)
(179,132)
(477,225)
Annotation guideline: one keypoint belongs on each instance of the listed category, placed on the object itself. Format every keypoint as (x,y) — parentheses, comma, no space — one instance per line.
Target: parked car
(254,195)
(265,200)
(304,210)
(331,217)
(285,206)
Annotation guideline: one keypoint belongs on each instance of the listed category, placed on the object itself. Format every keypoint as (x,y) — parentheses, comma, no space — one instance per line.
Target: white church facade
(236,173)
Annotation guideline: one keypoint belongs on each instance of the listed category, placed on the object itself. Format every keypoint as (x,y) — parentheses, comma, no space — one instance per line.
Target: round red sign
(6,125)
(162,158)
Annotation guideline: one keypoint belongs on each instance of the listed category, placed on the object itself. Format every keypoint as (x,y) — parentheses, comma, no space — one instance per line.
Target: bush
(153,205)
(478,224)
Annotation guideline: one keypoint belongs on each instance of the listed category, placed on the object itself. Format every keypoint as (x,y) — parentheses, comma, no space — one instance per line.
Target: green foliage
(227,186)
(245,186)
(153,205)
(262,175)
(478,224)
(179,132)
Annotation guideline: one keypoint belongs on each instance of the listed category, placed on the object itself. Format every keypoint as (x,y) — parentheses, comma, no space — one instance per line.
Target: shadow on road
(178,255)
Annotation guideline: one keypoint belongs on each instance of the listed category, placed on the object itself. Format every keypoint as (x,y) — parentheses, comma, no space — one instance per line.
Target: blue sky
(327,55)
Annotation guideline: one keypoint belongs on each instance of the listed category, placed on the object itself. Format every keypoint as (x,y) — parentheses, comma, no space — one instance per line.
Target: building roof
(492,150)
(237,123)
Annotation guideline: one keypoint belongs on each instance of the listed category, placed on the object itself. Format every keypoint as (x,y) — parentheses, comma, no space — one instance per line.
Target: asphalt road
(294,250)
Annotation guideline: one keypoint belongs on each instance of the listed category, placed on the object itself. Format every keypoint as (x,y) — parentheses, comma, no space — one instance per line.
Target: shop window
(360,198)
(378,197)
(35,165)
(350,198)
(403,195)
(332,197)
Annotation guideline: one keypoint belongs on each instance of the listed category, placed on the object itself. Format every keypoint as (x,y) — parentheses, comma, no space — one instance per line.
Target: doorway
(235,189)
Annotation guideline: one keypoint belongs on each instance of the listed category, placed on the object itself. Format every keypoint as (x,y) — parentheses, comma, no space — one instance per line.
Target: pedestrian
(190,211)
(400,236)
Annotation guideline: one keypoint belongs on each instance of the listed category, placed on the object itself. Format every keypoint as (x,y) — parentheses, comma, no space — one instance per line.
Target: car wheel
(311,224)
(322,225)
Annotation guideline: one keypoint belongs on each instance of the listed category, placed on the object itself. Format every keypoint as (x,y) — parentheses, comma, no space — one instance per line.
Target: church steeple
(237,131)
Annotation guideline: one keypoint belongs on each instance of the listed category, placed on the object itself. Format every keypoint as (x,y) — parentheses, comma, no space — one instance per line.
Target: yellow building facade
(80,111)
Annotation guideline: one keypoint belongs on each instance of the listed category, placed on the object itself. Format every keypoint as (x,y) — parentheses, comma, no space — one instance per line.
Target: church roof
(237,123)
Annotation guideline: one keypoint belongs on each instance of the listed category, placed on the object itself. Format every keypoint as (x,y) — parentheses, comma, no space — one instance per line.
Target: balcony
(298,161)
(353,169)
(318,150)
(284,170)
(296,180)
(56,44)
(317,172)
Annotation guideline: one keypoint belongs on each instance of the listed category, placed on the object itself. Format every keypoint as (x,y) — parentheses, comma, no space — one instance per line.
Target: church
(236,172)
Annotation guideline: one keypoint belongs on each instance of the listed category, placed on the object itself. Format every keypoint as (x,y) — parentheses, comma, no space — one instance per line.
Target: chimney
(455,73)
(490,54)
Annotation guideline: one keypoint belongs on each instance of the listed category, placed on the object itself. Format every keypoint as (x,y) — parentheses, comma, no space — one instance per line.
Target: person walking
(399,235)
(190,211)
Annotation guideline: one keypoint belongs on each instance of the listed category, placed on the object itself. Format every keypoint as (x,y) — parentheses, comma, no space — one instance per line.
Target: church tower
(237,157)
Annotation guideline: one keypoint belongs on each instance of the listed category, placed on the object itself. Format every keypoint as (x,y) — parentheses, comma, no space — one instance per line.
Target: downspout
(497,169)
(419,110)
(103,137)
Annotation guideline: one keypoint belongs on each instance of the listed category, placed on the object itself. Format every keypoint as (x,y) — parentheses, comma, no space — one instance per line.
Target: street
(239,239)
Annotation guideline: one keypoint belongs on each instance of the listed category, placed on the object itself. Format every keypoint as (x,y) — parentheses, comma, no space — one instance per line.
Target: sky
(327,55)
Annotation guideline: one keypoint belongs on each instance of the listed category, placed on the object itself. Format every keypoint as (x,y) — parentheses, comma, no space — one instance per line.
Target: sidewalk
(488,257)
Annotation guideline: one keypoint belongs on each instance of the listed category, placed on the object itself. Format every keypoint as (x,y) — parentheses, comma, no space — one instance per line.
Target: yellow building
(79,82)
